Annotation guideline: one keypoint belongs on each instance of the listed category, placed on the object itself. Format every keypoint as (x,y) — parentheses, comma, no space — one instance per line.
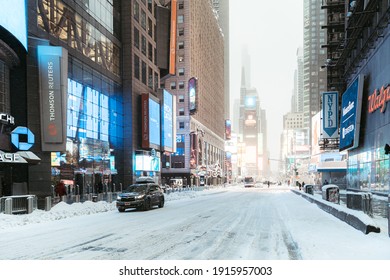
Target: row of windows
(146,22)
(146,47)
(144,73)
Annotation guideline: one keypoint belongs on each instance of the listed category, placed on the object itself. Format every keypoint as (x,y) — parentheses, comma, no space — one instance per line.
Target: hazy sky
(272,31)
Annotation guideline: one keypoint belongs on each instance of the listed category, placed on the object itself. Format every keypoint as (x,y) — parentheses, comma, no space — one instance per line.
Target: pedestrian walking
(60,190)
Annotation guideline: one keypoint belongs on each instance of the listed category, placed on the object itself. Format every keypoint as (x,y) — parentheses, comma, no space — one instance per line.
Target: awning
(332,166)
(30,157)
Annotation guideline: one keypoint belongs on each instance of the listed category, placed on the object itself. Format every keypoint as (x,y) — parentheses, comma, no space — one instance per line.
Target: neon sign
(378,99)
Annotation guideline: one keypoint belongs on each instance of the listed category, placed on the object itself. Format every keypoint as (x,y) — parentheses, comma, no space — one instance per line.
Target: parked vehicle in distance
(249,182)
(142,195)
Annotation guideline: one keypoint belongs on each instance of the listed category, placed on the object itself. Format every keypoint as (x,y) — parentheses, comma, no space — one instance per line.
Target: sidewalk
(377,224)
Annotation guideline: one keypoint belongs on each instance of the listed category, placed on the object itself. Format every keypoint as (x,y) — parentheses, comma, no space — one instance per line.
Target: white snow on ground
(312,229)
(63,210)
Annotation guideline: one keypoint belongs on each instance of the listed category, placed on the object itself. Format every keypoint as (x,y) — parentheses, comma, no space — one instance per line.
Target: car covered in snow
(142,195)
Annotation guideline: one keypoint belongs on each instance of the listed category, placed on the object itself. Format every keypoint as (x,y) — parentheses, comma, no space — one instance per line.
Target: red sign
(378,99)
(145,120)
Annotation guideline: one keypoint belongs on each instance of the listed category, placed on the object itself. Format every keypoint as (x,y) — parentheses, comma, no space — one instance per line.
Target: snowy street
(230,223)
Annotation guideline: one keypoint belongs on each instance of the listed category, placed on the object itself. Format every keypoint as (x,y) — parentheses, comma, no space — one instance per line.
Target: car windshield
(136,188)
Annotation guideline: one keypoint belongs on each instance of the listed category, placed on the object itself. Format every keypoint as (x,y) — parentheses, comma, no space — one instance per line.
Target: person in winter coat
(60,189)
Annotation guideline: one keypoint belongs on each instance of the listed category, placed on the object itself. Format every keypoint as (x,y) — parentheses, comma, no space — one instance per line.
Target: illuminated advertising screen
(168,119)
(228,129)
(150,114)
(13,17)
(154,123)
(250,102)
(147,163)
(192,94)
(350,115)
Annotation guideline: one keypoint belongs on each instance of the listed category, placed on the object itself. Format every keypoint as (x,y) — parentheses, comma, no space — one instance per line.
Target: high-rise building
(222,9)
(198,84)
(314,80)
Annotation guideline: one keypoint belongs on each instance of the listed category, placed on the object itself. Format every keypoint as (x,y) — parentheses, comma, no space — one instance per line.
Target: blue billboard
(168,119)
(350,115)
(154,123)
(330,112)
(250,102)
(13,17)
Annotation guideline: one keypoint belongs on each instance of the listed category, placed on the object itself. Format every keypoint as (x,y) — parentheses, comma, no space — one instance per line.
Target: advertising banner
(13,17)
(350,115)
(192,94)
(172,52)
(168,120)
(150,122)
(330,120)
(52,66)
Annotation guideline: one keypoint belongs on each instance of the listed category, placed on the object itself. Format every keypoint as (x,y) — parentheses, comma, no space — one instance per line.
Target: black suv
(143,195)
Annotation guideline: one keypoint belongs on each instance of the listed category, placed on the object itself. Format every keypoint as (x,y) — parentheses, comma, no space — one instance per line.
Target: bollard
(8,206)
(47,203)
(109,197)
(388,215)
(64,198)
(77,198)
(30,204)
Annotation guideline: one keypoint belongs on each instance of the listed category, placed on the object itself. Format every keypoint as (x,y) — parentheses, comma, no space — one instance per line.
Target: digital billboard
(250,102)
(150,122)
(13,17)
(172,47)
(330,112)
(147,163)
(228,129)
(53,83)
(192,94)
(168,122)
(350,115)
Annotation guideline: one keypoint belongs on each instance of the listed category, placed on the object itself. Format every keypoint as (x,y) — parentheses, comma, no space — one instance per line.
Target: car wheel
(161,203)
(121,209)
(146,205)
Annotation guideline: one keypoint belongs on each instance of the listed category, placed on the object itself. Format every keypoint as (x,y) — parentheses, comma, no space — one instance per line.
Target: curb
(348,218)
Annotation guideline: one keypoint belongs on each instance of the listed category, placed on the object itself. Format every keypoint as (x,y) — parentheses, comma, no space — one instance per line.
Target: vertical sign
(172,47)
(350,115)
(192,94)
(168,119)
(52,65)
(330,127)
(228,129)
(145,120)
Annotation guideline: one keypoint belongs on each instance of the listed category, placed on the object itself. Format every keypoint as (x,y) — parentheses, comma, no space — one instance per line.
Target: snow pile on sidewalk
(63,210)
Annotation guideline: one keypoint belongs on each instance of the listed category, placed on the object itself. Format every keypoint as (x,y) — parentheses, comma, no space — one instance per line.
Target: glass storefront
(369,171)
(94,132)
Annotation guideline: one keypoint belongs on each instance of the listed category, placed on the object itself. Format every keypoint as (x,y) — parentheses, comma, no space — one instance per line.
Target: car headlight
(118,198)
(139,196)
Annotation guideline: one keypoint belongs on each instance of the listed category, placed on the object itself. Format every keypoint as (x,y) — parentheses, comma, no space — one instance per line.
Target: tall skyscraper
(314,56)
(199,88)
(222,9)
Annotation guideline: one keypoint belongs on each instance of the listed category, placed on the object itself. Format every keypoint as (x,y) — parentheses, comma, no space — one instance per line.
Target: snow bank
(63,210)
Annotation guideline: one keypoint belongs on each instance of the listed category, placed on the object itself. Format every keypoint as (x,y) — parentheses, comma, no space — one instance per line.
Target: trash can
(309,189)
(331,193)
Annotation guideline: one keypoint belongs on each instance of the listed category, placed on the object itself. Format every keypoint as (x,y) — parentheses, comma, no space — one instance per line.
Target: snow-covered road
(228,223)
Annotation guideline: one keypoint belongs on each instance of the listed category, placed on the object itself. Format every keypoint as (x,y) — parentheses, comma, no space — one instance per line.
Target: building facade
(198,84)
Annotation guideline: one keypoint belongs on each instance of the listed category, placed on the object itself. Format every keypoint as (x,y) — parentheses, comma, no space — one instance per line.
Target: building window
(181,98)
(181,112)
(143,46)
(181,85)
(181,58)
(181,45)
(181,31)
(136,67)
(150,52)
(150,78)
(181,71)
(180,19)
(155,80)
(143,19)
(136,38)
(181,5)
(150,6)
(136,11)
(181,125)
(150,27)
(144,72)
(173,85)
